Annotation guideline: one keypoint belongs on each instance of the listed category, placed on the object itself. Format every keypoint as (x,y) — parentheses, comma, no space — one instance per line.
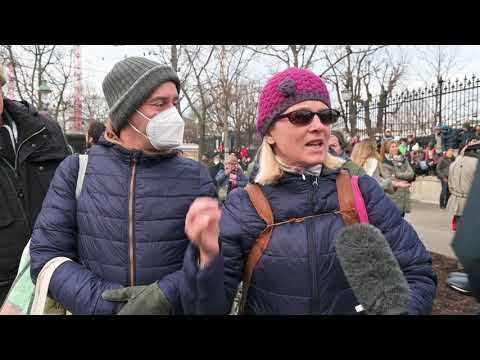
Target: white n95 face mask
(164,130)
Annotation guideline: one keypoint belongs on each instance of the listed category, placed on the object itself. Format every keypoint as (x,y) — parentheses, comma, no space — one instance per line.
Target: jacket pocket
(344,303)
(5,220)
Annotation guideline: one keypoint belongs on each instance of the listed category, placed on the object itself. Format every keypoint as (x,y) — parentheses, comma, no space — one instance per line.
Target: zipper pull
(303,176)
(315,182)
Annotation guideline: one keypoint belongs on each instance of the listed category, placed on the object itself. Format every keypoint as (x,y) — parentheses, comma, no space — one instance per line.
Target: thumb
(122,294)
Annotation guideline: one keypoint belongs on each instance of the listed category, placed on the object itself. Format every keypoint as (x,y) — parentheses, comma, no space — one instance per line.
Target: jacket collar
(24,116)
(127,155)
(291,177)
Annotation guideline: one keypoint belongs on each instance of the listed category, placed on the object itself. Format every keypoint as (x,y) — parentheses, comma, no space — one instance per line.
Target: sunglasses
(305,117)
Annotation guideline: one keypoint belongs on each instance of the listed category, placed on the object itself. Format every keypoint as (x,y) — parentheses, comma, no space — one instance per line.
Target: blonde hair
(363,151)
(269,169)
(231,159)
(385,149)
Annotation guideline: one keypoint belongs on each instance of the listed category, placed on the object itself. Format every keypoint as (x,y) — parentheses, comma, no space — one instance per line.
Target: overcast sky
(97,60)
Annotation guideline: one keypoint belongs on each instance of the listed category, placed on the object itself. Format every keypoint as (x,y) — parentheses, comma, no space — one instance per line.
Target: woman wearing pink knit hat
(290,266)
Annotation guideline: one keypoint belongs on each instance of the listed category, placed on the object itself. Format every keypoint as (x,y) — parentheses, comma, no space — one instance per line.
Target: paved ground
(433,226)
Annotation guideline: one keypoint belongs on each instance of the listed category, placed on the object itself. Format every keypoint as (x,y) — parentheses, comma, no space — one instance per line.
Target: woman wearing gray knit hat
(125,231)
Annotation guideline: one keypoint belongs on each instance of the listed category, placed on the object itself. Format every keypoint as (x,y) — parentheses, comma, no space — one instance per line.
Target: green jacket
(399,170)
(353,168)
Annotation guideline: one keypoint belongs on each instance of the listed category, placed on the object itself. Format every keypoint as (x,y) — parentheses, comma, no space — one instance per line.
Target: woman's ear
(270,139)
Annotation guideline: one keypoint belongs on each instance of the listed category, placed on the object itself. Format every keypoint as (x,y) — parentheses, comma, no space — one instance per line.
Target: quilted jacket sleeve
(54,234)
(211,290)
(171,284)
(414,259)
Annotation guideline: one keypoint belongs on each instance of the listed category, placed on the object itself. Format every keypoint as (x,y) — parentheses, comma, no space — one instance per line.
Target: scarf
(395,158)
(312,171)
(370,165)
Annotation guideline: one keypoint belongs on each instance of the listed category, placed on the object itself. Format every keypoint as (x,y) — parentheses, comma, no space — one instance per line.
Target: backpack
(26,298)
(352,209)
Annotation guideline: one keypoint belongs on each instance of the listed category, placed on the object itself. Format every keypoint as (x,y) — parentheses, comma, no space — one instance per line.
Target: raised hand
(202,226)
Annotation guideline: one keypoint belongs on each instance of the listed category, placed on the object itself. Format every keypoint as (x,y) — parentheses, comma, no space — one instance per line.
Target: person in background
(336,147)
(387,136)
(365,155)
(417,160)
(352,142)
(95,130)
(206,160)
(338,144)
(460,179)
(442,171)
(244,163)
(431,157)
(32,146)
(403,147)
(397,168)
(411,142)
(231,177)
(477,132)
(467,247)
(215,167)
(252,168)
(437,133)
(467,134)
(463,172)
(243,152)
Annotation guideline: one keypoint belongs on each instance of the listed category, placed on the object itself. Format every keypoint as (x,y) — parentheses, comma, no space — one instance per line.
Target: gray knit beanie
(130,83)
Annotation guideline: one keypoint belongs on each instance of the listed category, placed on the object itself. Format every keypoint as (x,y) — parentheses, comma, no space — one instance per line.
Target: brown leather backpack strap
(346,199)
(262,206)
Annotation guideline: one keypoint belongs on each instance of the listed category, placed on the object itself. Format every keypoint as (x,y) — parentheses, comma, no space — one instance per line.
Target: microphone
(372,270)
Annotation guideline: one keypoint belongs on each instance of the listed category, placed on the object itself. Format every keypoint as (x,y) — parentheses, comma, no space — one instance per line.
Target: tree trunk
(174,62)
(353,117)
(382,106)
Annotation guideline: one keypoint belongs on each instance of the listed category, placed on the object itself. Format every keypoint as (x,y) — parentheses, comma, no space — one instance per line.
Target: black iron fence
(450,102)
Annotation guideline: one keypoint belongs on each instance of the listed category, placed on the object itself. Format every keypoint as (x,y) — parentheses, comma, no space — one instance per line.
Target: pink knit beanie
(285,89)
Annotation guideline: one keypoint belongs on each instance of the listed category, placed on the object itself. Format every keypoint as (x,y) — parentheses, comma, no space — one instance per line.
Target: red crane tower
(77,105)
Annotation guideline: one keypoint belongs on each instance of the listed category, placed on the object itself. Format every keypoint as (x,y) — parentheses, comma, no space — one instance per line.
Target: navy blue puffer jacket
(299,272)
(95,231)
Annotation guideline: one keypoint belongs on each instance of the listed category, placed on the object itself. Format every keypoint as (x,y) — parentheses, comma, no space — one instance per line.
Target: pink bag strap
(359,202)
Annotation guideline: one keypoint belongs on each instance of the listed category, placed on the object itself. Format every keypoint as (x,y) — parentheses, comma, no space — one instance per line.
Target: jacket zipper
(15,172)
(19,202)
(21,144)
(131,238)
(313,252)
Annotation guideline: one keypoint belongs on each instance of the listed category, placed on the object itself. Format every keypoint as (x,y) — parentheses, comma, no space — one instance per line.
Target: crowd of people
(139,229)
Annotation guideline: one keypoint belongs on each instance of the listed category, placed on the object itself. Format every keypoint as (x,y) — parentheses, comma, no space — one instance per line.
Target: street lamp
(43,89)
(346,96)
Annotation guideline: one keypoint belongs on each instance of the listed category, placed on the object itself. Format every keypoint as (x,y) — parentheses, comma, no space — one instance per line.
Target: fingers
(121,295)
(202,218)
(203,206)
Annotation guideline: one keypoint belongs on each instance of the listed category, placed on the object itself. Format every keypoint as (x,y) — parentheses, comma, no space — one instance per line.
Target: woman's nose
(316,124)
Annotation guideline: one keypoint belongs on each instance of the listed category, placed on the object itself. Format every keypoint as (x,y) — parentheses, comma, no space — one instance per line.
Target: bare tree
(388,69)
(94,107)
(304,56)
(352,68)
(226,84)
(60,78)
(439,62)
(33,63)
(194,86)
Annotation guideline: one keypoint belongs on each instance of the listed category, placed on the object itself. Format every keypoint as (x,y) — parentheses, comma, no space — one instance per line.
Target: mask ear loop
(138,131)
